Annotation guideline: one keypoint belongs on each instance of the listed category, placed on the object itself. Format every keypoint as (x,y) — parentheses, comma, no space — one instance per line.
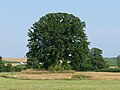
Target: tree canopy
(2,66)
(0,57)
(118,61)
(97,59)
(58,39)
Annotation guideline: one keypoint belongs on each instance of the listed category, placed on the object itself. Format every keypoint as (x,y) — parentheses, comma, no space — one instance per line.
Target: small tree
(2,66)
(97,59)
(118,61)
(9,67)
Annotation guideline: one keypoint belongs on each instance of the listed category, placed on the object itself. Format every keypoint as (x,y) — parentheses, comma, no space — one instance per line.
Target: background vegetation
(111,61)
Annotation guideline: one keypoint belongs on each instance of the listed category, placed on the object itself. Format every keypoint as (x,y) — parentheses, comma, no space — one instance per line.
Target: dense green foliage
(109,70)
(97,59)
(0,57)
(58,40)
(9,68)
(2,66)
(19,68)
(118,61)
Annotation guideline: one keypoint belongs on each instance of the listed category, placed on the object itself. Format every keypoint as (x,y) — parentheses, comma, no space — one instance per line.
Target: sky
(102,18)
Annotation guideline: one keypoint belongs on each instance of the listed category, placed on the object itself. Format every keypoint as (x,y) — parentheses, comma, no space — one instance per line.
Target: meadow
(15,84)
(44,80)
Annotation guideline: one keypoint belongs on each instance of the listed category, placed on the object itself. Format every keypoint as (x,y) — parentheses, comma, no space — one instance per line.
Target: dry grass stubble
(46,75)
(16,59)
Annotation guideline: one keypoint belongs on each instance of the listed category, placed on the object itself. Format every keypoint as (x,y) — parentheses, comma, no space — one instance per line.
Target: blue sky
(102,18)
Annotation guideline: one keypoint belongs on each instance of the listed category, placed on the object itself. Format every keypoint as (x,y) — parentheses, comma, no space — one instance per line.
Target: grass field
(14,84)
(111,61)
(97,80)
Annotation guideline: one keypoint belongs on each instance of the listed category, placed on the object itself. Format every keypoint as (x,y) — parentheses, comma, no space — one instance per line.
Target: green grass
(14,84)
(109,70)
(111,61)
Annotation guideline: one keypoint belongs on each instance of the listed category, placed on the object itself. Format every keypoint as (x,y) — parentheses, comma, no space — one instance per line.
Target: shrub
(19,68)
(2,65)
(59,67)
(118,61)
(9,68)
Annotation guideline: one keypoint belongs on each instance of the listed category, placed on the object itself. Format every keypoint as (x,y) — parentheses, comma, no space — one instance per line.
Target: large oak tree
(58,39)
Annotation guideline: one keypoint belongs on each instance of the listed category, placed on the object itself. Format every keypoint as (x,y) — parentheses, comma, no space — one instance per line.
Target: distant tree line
(118,61)
(8,67)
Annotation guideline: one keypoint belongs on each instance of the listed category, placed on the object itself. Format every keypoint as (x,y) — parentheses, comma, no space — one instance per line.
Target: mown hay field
(16,59)
(71,75)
